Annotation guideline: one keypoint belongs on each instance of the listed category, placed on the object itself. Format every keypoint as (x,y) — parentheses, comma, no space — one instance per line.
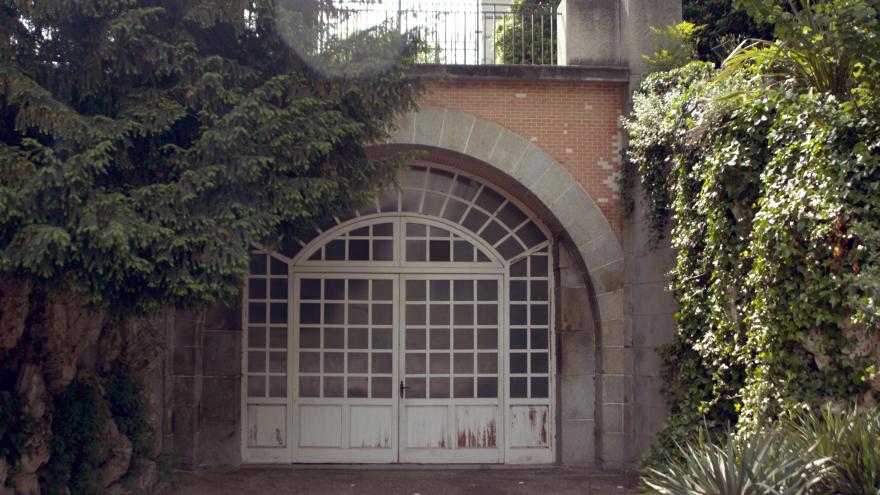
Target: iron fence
(468,33)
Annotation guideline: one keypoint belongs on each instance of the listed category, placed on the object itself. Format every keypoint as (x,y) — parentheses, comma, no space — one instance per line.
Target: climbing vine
(766,175)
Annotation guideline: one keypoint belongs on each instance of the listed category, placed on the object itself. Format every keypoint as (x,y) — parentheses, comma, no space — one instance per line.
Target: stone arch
(449,136)
(557,190)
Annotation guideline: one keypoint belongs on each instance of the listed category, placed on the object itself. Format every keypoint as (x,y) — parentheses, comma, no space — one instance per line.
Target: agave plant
(851,439)
(755,464)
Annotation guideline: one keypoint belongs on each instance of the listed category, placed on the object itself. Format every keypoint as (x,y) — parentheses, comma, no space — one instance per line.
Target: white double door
(398,368)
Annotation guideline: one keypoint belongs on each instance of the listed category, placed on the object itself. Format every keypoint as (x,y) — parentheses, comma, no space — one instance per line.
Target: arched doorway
(418,331)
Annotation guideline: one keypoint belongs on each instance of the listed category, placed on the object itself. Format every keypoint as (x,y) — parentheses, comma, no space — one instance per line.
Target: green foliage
(16,427)
(851,439)
(676,47)
(75,449)
(527,35)
(771,178)
(725,25)
(742,465)
(145,146)
(812,452)
(126,395)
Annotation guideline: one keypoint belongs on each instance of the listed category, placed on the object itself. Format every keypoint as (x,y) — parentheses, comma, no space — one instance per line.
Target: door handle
(402,389)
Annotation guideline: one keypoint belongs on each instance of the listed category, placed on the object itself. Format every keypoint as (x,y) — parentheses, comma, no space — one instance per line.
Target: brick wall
(575,122)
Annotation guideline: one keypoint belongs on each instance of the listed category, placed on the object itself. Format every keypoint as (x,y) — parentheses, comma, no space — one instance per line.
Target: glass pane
(309,386)
(493,233)
(463,388)
(310,338)
(487,290)
(277,267)
(256,337)
(540,389)
(382,362)
(277,386)
(381,387)
(258,264)
(439,338)
(417,388)
(278,288)
(357,386)
(519,269)
(518,314)
(415,315)
(257,288)
(333,386)
(383,314)
(360,232)
(465,188)
(334,313)
(358,290)
(278,362)
(438,232)
(518,362)
(539,290)
(487,314)
(464,338)
(309,313)
(383,290)
(358,362)
(487,363)
(256,386)
(256,362)
(463,290)
(454,210)
(256,313)
(415,290)
(335,250)
(439,363)
(334,338)
(462,251)
(531,235)
(358,338)
(278,313)
(539,338)
(359,250)
(334,289)
(383,250)
(433,204)
(439,290)
(415,364)
(511,215)
(383,229)
(309,362)
(519,387)
(310,288)
(539,266)
(539,362)
(415,338)
(334,362)
(357,314)
(487,338)
(439,388)
(416,230)
(518,290)
(463,314)
(474,220)
(489,200)
(439,314)
(539,314)
(519,339)
(440,251)
(382,338)
(416,250)
(487,387)
(463,363)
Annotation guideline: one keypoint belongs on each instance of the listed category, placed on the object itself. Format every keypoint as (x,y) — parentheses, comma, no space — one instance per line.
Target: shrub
(126,395)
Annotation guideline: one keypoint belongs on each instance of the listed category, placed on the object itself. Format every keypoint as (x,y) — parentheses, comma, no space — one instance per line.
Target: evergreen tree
(146,145)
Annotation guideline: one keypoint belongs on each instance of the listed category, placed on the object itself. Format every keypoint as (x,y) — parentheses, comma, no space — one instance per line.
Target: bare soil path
(403,481)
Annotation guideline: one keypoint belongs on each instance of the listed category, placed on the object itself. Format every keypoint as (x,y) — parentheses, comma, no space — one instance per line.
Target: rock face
(32,387)
(13,312)
(118,455)
(70,327)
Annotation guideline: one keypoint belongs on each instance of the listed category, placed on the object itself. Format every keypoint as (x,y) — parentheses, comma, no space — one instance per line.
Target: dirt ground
(404,481)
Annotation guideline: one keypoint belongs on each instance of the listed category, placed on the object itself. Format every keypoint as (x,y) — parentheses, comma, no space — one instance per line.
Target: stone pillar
(637,19)
(590,33)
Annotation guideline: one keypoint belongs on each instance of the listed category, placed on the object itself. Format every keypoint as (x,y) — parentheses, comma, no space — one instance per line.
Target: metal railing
(469,33)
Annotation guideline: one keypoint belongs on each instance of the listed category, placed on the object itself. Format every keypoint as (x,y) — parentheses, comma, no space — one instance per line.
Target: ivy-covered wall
(768,173)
